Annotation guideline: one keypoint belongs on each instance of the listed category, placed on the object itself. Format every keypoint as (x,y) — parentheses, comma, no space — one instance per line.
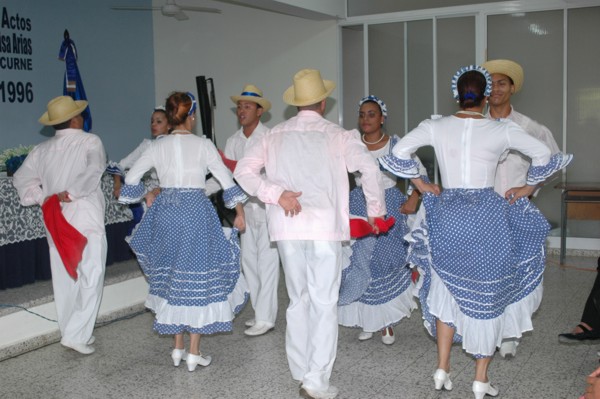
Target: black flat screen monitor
(206,103)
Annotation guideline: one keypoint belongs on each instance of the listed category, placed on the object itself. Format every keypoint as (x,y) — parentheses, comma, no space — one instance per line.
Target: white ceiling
(318,10)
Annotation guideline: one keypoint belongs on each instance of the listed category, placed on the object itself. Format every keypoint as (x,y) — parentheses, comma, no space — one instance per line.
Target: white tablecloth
(21,223)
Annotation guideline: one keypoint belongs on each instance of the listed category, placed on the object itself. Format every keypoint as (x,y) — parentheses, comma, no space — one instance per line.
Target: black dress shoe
(585,335)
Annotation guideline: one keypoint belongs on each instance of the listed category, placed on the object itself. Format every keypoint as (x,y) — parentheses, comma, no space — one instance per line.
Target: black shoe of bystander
(585,335)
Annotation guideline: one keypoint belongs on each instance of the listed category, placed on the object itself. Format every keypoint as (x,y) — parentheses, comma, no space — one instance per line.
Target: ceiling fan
(170,9)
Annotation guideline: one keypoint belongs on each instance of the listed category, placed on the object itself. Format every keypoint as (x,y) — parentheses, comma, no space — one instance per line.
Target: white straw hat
(508,68)
(253,94)
(61,109)
(308,88)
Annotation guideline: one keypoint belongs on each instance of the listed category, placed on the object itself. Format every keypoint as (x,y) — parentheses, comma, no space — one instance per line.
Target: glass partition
(386,71)
(455,48)
(409,64)
(583,113)
(353,73)
(513,36)
(583,94)
(419,84)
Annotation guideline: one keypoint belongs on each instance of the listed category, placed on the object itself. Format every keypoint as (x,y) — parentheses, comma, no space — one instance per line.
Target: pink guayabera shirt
(310,154)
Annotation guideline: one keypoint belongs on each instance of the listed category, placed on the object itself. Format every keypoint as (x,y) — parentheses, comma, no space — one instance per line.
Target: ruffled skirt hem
(372,318)
(217,314)
(480,337)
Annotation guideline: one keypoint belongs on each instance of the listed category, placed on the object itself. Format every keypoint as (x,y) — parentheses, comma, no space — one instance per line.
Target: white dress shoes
(259,328)
(387,336)
(178,355)
(363,336)
(442,379)
(84,349)
(91,340)
(330,393)
(194,360)
(480,389)
(250,323)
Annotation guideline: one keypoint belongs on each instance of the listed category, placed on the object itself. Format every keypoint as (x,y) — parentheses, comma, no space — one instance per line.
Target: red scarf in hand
(360,227)
(230,163)
(68,241)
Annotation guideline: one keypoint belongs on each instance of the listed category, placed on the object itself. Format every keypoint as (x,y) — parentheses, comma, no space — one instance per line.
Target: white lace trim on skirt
(374,318)
(199,316)
(481,337)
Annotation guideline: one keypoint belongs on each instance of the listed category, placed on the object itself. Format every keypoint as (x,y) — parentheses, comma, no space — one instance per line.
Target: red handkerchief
(385,224)
(230,163)
(361,228)
(68,241)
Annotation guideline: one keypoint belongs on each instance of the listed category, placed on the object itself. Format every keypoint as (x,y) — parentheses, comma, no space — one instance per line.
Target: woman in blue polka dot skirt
(482,256)
(376,290)
(192,264)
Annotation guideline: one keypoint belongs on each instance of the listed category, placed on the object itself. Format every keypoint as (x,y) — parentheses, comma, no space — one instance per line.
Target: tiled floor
(131,361)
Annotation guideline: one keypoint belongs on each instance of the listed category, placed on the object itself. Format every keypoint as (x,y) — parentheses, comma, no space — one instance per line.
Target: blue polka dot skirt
(482,262)
(376,290)
(191,262)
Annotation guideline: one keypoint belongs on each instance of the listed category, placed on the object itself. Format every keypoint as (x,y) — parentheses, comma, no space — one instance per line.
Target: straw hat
(308,88)
(61,109)
(508,68)
(253,94)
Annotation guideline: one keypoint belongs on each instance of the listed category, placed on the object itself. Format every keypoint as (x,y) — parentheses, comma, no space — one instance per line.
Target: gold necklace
(374,142)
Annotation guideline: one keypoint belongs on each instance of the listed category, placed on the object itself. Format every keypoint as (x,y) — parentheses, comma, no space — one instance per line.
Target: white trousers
(78,302)
(312,276)
(260,264)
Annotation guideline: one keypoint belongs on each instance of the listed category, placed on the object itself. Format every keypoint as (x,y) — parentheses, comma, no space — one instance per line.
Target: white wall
(122,54)
(240,46)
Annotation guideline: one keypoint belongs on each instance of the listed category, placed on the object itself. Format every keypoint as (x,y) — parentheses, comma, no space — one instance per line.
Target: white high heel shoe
(480,389)
(178,355)
(194,360)
(442,379)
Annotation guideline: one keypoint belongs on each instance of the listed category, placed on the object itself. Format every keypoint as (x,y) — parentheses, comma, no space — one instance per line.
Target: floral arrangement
(12,158)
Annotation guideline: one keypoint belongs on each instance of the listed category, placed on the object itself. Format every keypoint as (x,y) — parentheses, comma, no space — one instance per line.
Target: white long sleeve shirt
(513,165)
(388,178)
(71,161)
(235,147)
(127,162)
(181,161)
(468,149)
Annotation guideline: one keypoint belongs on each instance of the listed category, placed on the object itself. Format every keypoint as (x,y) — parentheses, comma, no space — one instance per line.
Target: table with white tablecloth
(24,254)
